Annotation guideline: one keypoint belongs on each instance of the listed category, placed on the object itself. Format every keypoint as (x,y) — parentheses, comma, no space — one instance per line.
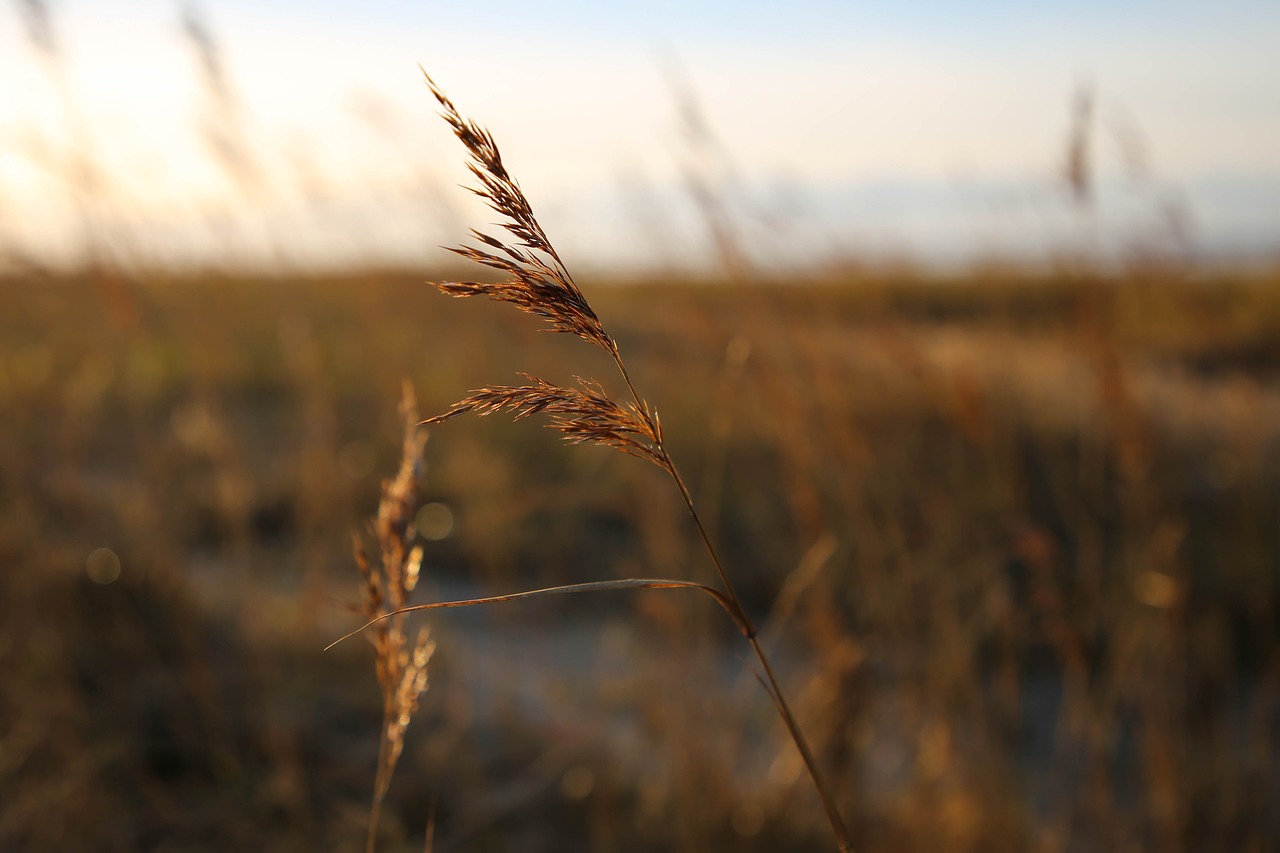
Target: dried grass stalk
(401,665)
(573,588)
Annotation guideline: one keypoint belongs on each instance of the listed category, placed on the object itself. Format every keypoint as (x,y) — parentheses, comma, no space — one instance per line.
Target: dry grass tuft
(401,666)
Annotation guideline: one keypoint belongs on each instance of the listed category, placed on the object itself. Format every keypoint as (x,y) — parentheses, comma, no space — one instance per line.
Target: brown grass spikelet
(400,665)
(585,416)
(537,280)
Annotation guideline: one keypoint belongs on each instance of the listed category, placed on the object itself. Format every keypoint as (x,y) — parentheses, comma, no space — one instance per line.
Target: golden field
(1013,539)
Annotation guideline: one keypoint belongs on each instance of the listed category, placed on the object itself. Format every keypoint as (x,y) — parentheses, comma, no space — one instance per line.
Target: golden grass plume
(401,665)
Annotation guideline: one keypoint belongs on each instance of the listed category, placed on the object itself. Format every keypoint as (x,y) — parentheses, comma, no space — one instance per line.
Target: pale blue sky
(761,21)
(929,127)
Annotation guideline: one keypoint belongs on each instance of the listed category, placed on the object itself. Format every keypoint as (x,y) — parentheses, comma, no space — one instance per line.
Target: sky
(823,130)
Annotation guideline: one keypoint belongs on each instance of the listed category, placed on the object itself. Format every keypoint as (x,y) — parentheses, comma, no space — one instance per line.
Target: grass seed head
(536,279)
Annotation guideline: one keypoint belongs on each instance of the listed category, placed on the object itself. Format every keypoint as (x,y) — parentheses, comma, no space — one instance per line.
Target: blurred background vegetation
(1012,526)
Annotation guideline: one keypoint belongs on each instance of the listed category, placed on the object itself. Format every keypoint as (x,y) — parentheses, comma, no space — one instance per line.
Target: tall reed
(538,282)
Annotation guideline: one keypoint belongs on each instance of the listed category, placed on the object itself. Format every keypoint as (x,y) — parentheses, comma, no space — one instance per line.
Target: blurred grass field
(1015,538)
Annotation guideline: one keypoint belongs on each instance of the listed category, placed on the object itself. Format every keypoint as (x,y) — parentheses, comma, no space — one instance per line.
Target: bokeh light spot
(435,521)
(102,566)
